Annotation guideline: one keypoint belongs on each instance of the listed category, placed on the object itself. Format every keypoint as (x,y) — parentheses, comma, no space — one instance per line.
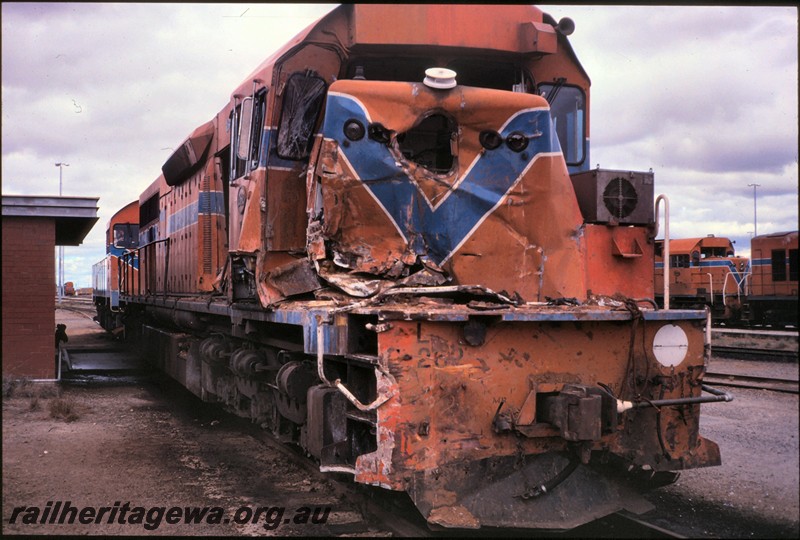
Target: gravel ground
(144,440)
(151,444)
(754,493)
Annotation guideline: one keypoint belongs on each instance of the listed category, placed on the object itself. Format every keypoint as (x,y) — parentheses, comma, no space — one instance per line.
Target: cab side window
(778,265)
(679,261)
(568,111)
(247,122)
(126,235)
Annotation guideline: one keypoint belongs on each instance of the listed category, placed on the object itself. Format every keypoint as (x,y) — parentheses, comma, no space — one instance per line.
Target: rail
(751,352)
(643,528)
(775,384)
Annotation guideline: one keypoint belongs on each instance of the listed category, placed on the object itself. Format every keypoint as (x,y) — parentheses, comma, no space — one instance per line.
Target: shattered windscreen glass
(302,100)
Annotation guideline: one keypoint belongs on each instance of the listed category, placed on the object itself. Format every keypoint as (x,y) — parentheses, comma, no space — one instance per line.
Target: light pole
(755,214)
(60,248)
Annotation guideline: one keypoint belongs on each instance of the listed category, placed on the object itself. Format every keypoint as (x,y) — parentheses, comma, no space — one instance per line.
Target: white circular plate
(670,345)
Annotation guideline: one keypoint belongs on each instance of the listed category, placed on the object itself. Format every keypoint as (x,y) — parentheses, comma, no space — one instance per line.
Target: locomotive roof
(490,28)
(129,211)
(687,245)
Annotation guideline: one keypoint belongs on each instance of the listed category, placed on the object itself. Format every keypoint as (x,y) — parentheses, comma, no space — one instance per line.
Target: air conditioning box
(608,196)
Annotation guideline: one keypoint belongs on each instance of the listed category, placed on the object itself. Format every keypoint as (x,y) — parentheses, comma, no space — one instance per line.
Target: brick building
(32,228)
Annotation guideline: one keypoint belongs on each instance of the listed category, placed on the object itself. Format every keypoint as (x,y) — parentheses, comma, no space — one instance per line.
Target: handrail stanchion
(666,244)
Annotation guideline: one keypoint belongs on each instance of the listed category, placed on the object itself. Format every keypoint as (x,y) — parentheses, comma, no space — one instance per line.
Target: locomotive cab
(703,272)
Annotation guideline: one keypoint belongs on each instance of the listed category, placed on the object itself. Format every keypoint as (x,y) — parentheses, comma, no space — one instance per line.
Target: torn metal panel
(354,285)
(281,282)
(467,212)
(425,277)
(315,244)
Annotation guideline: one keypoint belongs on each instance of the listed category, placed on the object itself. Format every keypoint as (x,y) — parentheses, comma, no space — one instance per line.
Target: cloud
(111,89)
(706,96)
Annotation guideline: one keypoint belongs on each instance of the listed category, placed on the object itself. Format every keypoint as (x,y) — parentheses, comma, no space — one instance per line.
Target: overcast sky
(705,96)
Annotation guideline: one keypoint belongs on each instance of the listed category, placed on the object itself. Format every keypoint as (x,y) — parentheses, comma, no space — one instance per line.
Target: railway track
(391,513)
(749,381)
(81,305)
(80,311)
(754,343)
(754,327)
(630,525)
(746,352)
(386,512)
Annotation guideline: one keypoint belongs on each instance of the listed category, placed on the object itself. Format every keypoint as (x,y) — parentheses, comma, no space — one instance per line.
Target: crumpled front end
(460,183)
(534,418)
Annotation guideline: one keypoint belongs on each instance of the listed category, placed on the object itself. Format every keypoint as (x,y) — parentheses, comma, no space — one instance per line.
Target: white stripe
(502,199)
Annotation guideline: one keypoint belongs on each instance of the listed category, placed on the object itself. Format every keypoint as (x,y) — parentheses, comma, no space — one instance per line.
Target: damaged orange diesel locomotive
(389,249)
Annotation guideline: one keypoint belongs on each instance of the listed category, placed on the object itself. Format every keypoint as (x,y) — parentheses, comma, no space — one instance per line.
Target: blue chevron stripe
(439,231)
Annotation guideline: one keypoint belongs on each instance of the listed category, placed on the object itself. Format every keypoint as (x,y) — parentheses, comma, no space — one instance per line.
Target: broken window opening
(430,143)
(302,101)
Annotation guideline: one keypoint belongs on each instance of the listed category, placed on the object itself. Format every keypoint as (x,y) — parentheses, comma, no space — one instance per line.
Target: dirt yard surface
(134,443)
(145,442)
(754,493)
(142,447)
